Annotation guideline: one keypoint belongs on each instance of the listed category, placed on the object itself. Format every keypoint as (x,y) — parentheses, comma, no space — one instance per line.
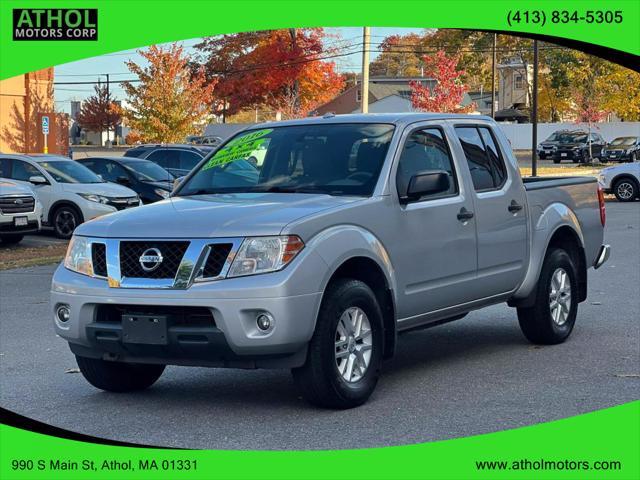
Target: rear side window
(423,151)
(188,160)
(165,158)
(484,159)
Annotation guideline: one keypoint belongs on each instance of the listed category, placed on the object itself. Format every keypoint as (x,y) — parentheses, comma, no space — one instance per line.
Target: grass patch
(20,257)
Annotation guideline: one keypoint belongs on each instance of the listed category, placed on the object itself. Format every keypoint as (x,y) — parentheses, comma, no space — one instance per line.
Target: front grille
(122,203)
(131,251)
(99,259)
(178,316)
(17,204)
(216,259)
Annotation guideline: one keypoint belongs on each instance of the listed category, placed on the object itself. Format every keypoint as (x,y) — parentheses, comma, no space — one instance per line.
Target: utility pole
(493,77)
(534,113)
(109,105)
(296,84)
(366,39)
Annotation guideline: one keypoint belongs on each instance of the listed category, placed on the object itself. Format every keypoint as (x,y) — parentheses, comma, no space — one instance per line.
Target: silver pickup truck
(354,228)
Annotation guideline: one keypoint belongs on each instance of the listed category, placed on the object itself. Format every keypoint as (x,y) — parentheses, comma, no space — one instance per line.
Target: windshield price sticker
(239,148)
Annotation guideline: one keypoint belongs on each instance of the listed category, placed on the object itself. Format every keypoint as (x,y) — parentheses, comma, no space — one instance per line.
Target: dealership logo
(150,259)
(55,24)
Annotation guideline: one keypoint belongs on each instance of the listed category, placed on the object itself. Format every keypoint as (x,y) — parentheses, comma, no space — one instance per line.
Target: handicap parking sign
(45,125)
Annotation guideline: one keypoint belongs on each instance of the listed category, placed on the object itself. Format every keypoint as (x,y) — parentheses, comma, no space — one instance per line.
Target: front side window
(23,171)
(334,159)
(188,160)
(425,150)
(68,171)
(485,162)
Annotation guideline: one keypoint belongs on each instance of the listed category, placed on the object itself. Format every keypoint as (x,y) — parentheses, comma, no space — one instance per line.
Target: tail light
(603,211)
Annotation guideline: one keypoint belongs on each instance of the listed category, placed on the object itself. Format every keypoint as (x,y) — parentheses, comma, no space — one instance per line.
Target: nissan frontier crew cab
(353,229)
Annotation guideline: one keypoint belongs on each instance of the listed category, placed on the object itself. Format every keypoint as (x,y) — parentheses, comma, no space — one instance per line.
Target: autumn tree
(399,56)
(171,100)
(99,112)
(448,92)
(282,70)
(621,92)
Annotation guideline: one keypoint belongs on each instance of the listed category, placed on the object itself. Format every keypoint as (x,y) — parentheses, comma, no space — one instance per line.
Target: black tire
(11,239)
(319,379)
(626,189)
(65,219)
(556,160)
(118,376)
(537,322)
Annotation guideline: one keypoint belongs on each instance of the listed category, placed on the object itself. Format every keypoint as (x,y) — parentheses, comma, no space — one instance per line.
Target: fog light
(264,322)
(63,312)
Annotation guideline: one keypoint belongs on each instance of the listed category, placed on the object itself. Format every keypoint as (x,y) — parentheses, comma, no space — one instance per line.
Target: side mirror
(38,180)
(177,181)
(123,180)
(429,182)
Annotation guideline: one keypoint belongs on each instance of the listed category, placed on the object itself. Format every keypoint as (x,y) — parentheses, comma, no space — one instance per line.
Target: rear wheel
(625,190)
(11,239)
(345,353)
(118,376)
(551,319)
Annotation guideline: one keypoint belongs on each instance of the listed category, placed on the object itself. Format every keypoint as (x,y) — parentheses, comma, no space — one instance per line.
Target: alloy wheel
(353,344)
(560,296)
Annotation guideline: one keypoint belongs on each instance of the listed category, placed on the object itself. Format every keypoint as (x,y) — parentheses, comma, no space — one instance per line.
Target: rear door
(500,214)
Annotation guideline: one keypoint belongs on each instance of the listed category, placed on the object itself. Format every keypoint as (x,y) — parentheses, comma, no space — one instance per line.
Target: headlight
(78,257)
(265,254)
(161,192)
(92,197)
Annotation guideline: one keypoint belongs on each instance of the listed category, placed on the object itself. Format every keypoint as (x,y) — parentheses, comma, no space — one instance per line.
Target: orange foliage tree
(283,70)
(448,93)
(171,101)
(99,113)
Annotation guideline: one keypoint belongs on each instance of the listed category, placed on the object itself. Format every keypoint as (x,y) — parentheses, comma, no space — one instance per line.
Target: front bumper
(231,339)
(8,226)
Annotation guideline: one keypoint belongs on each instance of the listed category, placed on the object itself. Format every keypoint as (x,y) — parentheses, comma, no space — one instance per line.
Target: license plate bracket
(20,221)
(144,329)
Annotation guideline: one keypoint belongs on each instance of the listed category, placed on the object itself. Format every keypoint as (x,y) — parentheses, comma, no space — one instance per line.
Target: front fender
(339,243)
(549,220)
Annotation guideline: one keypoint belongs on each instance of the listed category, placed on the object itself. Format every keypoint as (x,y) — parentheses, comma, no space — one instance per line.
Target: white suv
(70,193)
(622,180)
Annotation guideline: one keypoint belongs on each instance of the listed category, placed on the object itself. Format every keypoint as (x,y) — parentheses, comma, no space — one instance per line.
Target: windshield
(623,141)
(68,171)
(147,171)
(553,137)
(338,159)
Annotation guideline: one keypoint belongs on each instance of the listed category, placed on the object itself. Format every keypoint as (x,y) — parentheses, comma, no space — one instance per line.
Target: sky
(93,69)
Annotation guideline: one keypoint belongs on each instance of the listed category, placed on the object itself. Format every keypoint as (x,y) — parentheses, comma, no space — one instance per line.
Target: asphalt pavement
(473,376)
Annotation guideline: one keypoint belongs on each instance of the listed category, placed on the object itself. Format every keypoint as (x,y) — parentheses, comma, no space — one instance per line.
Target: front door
(434,249)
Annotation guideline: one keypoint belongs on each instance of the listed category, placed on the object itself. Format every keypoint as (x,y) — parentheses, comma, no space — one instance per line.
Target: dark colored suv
(574,146)
(622,149)
(149,180)
(177,158)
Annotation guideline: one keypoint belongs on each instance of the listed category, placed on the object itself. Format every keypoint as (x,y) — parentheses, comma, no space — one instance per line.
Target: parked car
(621,180)
(547,147)
(574,146)
(204,140)
(70,193)
(357,228)
(622,149)
(20,211)
(177,159)
(149,180)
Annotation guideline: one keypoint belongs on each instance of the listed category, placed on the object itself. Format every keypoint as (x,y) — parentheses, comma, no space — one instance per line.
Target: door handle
(464,215)
(514,207)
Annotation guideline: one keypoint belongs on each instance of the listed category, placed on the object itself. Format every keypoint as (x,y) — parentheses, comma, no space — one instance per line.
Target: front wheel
(345,353)
(65,221)
(551,319)
(118,376)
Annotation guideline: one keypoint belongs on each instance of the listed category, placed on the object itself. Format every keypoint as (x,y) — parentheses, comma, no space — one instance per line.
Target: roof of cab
(391,118)
(36,157)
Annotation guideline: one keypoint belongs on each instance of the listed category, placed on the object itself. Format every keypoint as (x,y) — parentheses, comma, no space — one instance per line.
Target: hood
(567,146)
(106,189)
(8,187)
(619,147)
(213,216)
(633,168)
